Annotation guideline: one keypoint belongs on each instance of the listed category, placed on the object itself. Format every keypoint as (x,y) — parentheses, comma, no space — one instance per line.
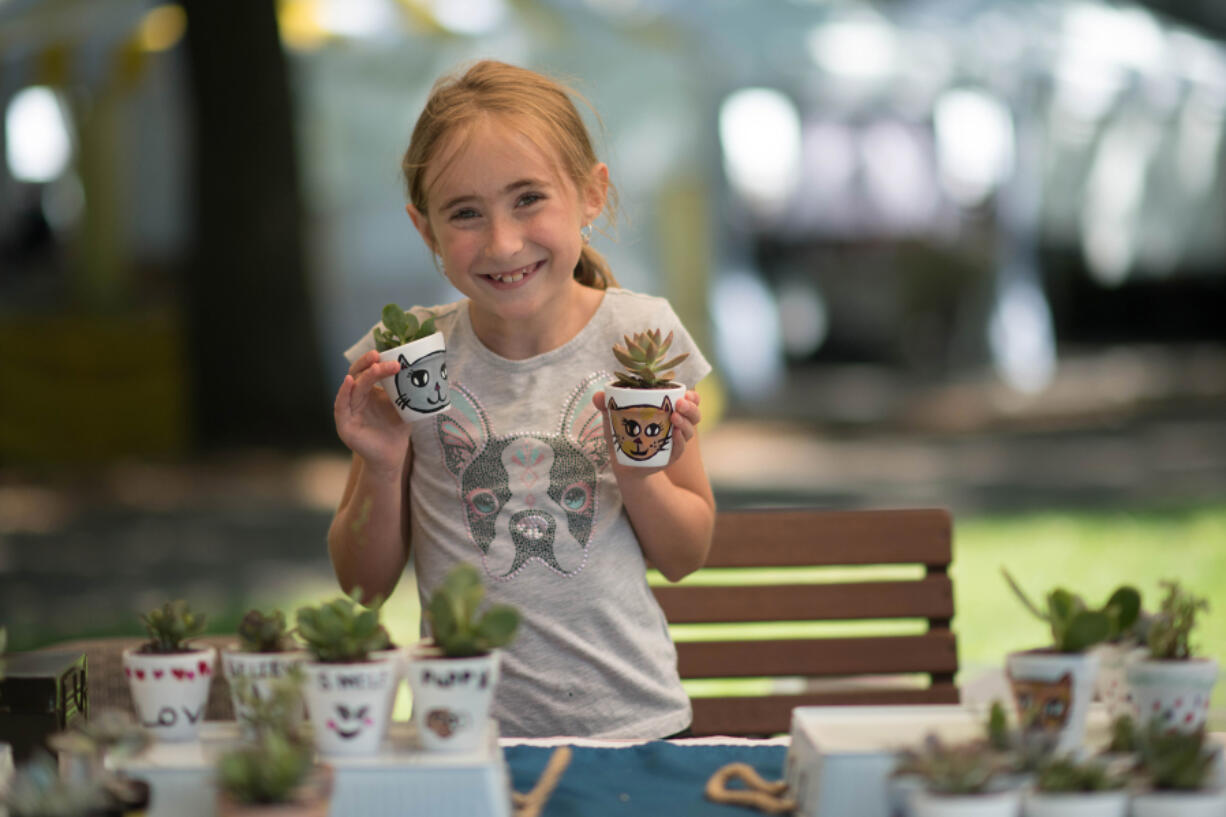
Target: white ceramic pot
(419,390)
(1075,804)
(452,698)
(350,704)
(992,804)
(1175,693)
(898,790)
(641,420)
(262,668)
(1179,804)
(170,692)
(1111,683)
(1052,692)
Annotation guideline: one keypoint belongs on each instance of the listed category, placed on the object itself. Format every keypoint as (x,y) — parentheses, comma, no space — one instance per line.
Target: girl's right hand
(366,420)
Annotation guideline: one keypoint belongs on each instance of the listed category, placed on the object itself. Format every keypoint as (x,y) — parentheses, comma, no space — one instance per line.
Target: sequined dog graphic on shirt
(527,495)
(421,385)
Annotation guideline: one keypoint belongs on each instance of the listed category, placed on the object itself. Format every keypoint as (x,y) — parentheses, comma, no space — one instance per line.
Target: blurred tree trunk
(252,335)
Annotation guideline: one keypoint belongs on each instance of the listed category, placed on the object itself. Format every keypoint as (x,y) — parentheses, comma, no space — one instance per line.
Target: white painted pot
(1179,804)
(641,423)
(992,804)
(170,692)
(419,390)
(1075,804)
(452,699)
(898,791)
(263,668)
(350,704)
(1052,692)
(1175,693)
(1111,684)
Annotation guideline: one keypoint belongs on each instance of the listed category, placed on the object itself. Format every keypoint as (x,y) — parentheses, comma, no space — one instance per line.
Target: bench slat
(934,651)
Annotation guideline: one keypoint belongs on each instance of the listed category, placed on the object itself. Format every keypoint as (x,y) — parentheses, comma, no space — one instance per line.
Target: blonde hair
(541,103)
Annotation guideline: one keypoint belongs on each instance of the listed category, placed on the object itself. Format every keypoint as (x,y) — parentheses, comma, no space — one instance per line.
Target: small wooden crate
(42,693)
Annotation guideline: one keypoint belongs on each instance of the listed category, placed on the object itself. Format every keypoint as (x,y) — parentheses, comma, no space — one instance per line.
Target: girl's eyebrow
(510,188)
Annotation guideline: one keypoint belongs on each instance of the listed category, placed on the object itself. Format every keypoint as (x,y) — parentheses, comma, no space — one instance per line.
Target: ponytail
(593,270)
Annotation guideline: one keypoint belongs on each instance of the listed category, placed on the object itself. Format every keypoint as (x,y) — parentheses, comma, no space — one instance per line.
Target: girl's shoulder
(638,306)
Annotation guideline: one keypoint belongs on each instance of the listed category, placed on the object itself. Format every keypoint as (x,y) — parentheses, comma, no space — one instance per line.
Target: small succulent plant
(401,327)
(458,630)
(1065,774)
(269,770)
(279,710)
(1017,750)
(1075,627)
(343,630)
(1176,761)
(258,632)
(952,768)
(37,789)
(107,736)
(1123,735)
(170,627)
(1171,628)
(1000,737)
(644,356)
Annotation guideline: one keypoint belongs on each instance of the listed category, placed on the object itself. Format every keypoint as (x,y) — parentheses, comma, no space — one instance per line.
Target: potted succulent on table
(169,678)
(1111,683)
(352,674)
(273,772)
(1183,776)
(266,651)
(641,400)
(1171,684)
(1053,686)
(419,389)
(37,789)
(1065,787)
(958,780)
(453,675)
(93,748)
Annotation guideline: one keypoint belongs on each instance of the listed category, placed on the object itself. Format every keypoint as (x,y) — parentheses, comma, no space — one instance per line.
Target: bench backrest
(917,666)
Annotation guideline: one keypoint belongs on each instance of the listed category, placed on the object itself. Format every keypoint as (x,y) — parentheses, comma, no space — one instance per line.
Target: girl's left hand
(685,418)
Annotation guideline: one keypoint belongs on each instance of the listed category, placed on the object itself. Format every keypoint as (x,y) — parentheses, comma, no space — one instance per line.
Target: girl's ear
(596,192)
(423,226)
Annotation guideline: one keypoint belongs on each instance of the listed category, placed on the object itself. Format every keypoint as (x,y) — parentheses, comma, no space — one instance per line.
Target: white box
(401,780)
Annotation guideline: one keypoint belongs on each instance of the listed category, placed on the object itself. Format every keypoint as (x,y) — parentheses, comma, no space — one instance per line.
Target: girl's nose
(505,240)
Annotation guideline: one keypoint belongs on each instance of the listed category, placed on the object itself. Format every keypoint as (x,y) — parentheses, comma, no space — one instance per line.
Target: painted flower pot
(312,799)
(1052,692)
(1211,803)
(1111,683)
(641,420)
(170,691)
(350,704)
(898,791)
(419,390)
(263,668)
(1075,804)
(1175,693)
(452,698)
(991,804)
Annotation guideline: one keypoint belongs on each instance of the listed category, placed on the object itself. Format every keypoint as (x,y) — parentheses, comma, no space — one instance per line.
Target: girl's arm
(672,509)
(368,538)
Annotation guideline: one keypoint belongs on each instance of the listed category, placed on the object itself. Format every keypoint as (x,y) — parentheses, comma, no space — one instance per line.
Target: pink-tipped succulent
(644,356)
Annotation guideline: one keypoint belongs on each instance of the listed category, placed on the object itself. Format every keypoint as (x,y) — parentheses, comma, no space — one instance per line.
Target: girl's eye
(464,214)
(530,198)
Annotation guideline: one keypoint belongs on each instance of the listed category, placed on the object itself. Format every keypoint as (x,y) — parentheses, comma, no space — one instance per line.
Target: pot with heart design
(168,677)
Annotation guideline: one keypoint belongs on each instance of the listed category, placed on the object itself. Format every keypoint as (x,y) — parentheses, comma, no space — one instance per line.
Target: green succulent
(258,632)
(1123,735)
(1171,627)
(1176,761)
(458,629)
(1076,627)
(170,627)
(999,735)
(38,790)
(343,630)
(401,327)
(644,355)
(952,768)
(278,711)
(1064,774)
(268,770)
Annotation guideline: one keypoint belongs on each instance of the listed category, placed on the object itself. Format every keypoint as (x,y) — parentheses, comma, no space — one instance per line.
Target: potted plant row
(641,400)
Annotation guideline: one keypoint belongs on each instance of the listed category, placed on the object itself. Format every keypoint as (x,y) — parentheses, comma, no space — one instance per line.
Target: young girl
(518,477)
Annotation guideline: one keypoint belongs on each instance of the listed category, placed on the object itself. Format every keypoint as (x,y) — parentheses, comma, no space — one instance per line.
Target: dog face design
(444,722)
(421,385)
(527,496)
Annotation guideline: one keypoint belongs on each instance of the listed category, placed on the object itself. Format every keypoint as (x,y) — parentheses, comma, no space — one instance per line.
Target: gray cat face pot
(419,390)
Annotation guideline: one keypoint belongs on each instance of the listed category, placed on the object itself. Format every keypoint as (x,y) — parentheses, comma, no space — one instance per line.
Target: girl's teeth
(508,279)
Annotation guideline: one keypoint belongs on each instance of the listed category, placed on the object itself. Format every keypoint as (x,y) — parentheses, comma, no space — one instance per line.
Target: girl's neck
(546,330)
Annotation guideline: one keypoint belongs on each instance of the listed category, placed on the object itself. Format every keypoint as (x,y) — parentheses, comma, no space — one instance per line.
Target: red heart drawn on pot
(140,675)
(157,673)
(204,668)
(190,675)
(127,671)
(178,673)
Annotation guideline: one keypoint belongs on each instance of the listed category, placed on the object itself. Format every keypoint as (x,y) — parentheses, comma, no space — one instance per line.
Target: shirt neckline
(544,358)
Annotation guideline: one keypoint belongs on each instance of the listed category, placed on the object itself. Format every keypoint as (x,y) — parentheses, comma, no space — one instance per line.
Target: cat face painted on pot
(421,385)
(642,431)
(1043,706)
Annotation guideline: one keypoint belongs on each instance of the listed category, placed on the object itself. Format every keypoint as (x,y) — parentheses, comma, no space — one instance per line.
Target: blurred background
(964,253)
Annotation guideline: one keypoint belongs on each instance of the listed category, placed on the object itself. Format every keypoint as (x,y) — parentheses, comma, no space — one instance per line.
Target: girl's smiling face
(506,222)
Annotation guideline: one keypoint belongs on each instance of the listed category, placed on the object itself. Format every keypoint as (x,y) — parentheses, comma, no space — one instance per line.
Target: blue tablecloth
(657,778)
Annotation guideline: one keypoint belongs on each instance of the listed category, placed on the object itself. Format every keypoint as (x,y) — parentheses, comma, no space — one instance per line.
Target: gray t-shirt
(515,478)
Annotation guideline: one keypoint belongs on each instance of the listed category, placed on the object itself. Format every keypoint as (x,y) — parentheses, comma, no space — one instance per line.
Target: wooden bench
(859,669)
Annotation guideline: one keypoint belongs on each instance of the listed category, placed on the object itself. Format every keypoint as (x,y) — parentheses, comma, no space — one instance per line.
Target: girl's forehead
(488,146)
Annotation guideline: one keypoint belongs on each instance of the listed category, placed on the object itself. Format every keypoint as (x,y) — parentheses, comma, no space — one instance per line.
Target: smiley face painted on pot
(349,722)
